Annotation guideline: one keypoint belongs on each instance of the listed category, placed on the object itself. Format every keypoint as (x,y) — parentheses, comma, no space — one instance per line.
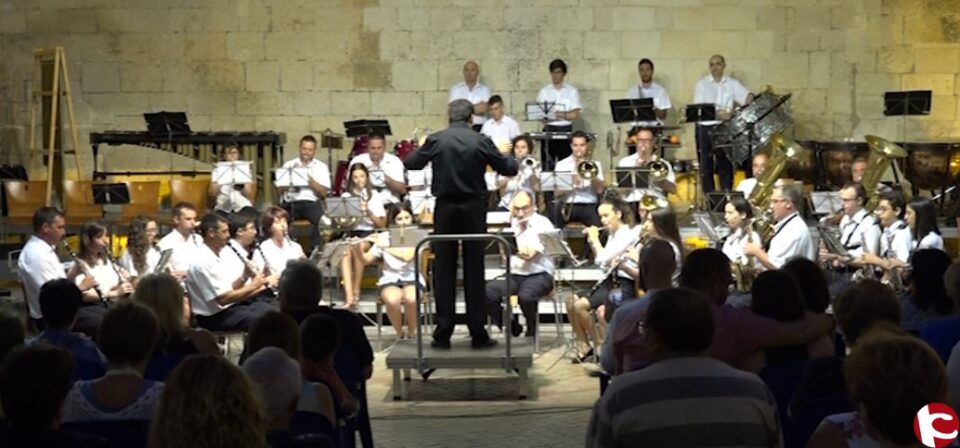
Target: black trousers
(711,161)
(528,288)
(311,211)
(240,316)
(553,150)
(459,215)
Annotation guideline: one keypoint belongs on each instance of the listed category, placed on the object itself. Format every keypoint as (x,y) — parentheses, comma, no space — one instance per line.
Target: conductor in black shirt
(460,156)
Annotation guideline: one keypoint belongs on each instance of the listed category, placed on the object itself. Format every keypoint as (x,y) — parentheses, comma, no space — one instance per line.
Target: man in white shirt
(727,94)
(386,171)
(566,101)
(531,271)
(791,236)
(500,128)
(473,91)
(649,89)
(579,204)
(38,262)
(859,233)
(223,299)
(182,240)
(307,202)
(640,159)
(759,164)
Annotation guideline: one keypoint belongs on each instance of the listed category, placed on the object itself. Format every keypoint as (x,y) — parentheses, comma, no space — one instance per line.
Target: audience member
(865,307)
(35,381)
(11,333)
(127,337)
(815,290)
(59,302)
(926,298)
(320,337)
(890,377)
(208,402)
(944,335)
(684,390)
(163,294)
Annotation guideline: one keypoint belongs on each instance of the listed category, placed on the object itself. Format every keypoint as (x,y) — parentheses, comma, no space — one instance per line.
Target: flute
(85,268)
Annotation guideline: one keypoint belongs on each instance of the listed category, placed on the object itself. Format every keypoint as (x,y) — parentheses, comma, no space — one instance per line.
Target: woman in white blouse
(141,255)
(738,213)
(273,252)
(922,219)
(111,280)
(374,217)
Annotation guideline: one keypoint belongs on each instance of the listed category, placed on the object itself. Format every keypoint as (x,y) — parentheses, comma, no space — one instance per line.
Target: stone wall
(299,66)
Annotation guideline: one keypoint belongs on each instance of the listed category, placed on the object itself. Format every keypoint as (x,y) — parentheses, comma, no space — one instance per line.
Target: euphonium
(649,202)
(882,152)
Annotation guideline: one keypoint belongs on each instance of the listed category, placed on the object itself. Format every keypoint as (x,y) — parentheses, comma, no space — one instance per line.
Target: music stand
(556,181)
(825,202)
(555,246)
(831,242)
(167,123)
(111,194)
(418,203)
(292,177)
(695,113)
(632,110)
(718,199)
(546,110)
(417,179)
(232,173)
(344,207)
(406,236)
(913,102)
(359,128)
(707,226)
(632,178)
(498,218)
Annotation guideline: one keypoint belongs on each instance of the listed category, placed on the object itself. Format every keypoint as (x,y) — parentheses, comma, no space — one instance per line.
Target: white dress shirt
(733,245)
(229,199)
(390,166)
(584,193)
(38,263)
(317,170)
(232,263)
(723,94)
(152,258)
(791,239)
(897,241)
(184,249)
(208,278)
(103,273)
(567,98)
(661,101)
(617,245)
(747,185)
(277,256)
(501,132)
(630,161)
(374,206)
(478,94)
(528,235)
(858,230)
(932,240)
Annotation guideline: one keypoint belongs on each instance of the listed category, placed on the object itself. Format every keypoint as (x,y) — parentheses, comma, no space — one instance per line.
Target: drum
(805,168)
(931,166)
(403,148)
(686,196)
(360,145)
(340,179)
(836,161)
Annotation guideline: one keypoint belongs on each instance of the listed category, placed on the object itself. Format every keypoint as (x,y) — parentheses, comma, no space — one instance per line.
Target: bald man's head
(471,71)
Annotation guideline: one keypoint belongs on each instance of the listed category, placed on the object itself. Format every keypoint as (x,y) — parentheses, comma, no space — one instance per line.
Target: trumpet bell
(588,169)
(649,202)
(529,163)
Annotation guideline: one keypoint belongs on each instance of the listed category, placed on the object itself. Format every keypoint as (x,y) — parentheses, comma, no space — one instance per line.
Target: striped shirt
(695,401)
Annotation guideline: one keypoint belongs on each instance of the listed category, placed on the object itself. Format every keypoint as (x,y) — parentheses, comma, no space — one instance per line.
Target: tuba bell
(882,152)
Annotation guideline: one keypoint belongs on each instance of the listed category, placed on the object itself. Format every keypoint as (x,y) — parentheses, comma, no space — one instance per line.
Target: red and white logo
(936,425)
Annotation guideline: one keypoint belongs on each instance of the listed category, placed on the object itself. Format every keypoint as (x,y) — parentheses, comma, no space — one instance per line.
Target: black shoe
(530,333)
(582,358)
(437,343)
(483,343)
(516,329)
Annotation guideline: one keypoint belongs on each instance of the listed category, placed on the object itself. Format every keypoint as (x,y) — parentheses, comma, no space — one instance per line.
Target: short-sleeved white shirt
(501,132)
(617,245)
(791,239)
(661,101)
(896,241)
(375,205)
(153,257)
(318,171)
(390,166)
(208,278)
(183,249)
(38,263)
(932,240)
(478,94)
(277,256)
(635,195)
(722,93)
(104,273)
(395,269)
(536,225)
(580,195)
(567,98)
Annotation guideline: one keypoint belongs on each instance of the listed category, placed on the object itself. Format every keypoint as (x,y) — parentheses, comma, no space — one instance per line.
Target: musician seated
(141,255)
(241,248)
(641,159)
(374,217)
(738,213)
(659,220)
(385,170)
(232,198)
(617,218)
(921,216)
(896,242)
(759,164)
(531,271)
(859,234)
(277,248)
(858,168)
(307,202)
(112,284)
(182,240)
(223,299)
(528,179)
(791,236)
(579,204)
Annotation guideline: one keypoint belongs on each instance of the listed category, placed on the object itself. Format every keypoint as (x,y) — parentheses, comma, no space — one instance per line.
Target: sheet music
(556,181)
(344,206)
(498,218)
(232,173)
(544,111)
(292,177)
(825,202)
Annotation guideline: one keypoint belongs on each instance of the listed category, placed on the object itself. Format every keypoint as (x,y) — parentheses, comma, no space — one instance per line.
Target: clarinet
(121,272)
(85,268)
(249,263)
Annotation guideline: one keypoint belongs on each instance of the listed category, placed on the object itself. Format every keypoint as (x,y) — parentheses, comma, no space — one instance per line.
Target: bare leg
(410,309)
(346,272)
(357,252)
(392,297)
(581,322)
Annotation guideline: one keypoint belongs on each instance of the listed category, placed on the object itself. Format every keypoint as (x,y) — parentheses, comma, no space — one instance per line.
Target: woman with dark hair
(926,298)
(374,217)
(141,255)
(662,223)
(232,198)
(922,219)
(815,290)
(277,248)
(528,179)
(112,281)
(738,213)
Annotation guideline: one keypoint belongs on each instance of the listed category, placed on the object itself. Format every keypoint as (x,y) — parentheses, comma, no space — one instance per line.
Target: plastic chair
(78,201)
(144,200)
(23,198)
(120,433)
(192,191)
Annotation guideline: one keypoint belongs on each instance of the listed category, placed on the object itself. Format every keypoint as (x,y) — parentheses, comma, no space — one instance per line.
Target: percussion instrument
(931,166)
(752,126)
(836,160)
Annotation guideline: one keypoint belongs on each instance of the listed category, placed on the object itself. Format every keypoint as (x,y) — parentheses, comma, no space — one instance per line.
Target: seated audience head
(274,329)
(163,294)
(707,271)
(679,322)
(657,264)
(278,379)
(320,337)
(815,290)
(11,333)
(890,377)
(865,305)
(59,301)
(208,402)
(128,335)
(777,295)
(34,382)
(300,285)
(929,270)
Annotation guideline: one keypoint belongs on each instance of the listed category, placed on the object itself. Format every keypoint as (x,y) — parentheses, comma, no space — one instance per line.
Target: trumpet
(649,202)
(85,268)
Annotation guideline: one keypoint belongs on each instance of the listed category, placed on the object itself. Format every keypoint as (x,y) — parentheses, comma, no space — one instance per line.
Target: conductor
(460,156)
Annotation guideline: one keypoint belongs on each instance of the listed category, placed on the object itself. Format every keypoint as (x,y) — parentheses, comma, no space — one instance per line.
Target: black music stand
(111,194)
(633,178)
(359,128)
(167,123)
(632,110)
(542,110)
(718,199)
(695,113)
(913,102)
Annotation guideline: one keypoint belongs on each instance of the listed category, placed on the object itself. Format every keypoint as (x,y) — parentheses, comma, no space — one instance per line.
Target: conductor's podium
(403,358)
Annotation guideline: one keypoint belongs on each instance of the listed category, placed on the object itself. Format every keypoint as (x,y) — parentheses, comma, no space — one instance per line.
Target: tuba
(882,152)
(783,151)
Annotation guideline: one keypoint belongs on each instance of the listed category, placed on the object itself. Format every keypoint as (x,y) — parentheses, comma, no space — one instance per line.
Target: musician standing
(307,202)
(566,101)
(641,159)
(182,240)
(459,157)
(38,262)
(649,89)
(500,127)
(531,271)
(385,170)
(579,204)
(791,236)
(859,233)
(726,93)
(232,198)
(473,91)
